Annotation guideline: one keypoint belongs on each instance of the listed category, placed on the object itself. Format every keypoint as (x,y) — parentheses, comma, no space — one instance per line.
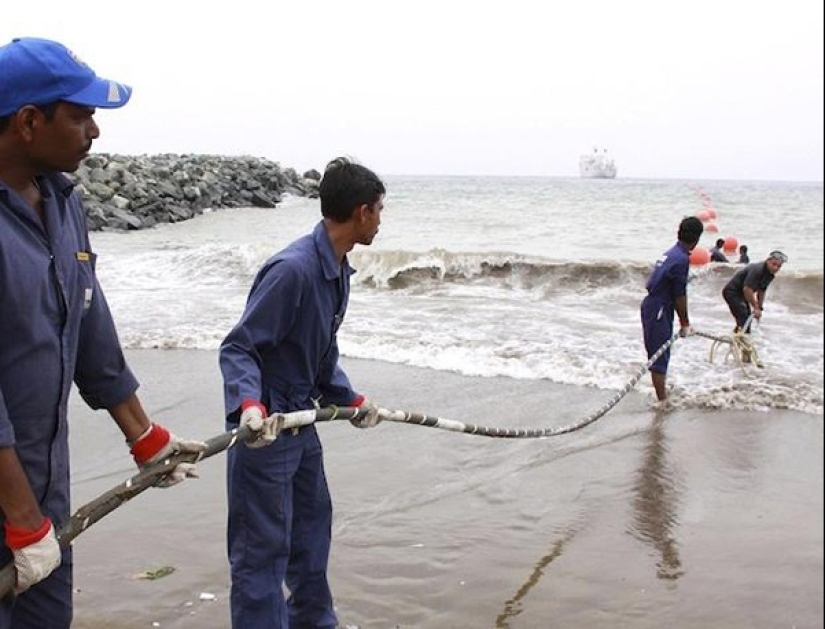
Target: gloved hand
(253,415)
(686,330)
(157,444)
(372,417)
(36,553)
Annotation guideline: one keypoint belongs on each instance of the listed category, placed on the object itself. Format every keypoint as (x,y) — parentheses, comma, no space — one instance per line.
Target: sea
(503,302)
(527,278)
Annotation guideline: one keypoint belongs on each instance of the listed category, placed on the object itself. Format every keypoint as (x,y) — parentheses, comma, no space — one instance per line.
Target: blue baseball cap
(37,71)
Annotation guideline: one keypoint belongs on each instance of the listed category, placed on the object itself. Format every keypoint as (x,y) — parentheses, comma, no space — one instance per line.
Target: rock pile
(133,192)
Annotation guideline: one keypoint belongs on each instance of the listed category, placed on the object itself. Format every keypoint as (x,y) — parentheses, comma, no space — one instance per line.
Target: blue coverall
(284,353)
(666,283)
(55,328)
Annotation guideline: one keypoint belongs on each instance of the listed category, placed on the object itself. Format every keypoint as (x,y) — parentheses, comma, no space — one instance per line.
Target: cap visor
(102,93)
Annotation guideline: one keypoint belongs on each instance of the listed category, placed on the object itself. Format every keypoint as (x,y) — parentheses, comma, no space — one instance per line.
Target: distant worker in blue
(716,254)
(282,356)
(55,325)
(666,294)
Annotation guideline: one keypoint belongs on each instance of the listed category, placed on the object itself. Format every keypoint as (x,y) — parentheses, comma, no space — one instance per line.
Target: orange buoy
(703,216)
(699,256)
(711,212)
(711,227)
(731,244)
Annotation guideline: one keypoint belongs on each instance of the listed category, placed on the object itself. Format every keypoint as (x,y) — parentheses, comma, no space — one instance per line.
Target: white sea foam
(492,279)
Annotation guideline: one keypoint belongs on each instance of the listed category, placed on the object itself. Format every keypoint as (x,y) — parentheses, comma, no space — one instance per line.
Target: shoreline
(695,519)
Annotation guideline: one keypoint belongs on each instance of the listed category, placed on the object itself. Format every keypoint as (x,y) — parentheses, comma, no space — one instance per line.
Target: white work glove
(158,444)
(253,416)
(36,553)
(372,417)
(686,330)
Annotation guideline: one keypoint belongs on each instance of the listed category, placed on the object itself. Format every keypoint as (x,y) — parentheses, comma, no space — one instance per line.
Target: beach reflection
(512,607)
(655,503)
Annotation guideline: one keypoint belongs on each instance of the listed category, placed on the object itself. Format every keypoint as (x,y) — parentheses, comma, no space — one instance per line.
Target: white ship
(597,165)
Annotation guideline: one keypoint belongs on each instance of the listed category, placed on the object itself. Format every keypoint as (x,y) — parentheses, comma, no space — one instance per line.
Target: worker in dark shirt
(745,291)
(716,254)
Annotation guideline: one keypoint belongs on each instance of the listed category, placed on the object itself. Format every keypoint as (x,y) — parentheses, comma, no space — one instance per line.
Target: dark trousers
(657,328)
(739,308)
(279,532)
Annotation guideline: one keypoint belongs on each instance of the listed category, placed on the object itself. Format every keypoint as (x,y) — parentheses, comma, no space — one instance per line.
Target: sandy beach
(692,519)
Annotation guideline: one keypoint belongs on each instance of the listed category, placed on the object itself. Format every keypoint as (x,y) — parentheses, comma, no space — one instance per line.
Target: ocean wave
(400,270)
(489,314)
(404,269)
(217,264)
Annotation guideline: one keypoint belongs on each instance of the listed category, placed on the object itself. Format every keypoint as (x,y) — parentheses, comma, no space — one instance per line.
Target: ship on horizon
(597,165)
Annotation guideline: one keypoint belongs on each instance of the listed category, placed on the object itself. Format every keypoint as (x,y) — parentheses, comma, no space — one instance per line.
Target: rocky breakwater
(134,192)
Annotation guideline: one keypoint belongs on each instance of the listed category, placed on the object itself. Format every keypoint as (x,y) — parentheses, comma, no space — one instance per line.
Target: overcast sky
(707,89)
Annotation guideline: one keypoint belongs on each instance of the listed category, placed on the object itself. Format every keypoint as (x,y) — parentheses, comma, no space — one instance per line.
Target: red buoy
(699,256)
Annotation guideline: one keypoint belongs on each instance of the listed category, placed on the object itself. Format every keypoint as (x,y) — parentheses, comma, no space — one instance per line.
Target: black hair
(347,185)
(690,230)
(720,242)
(48,112)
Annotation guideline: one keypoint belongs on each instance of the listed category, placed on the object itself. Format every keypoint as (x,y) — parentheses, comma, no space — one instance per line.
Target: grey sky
(718,89)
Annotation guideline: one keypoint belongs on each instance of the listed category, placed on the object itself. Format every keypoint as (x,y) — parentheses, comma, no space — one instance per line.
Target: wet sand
(692,519)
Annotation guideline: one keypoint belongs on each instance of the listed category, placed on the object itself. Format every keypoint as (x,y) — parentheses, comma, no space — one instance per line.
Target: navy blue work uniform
(284,352)
(55,328)
(666,283)
(755,276)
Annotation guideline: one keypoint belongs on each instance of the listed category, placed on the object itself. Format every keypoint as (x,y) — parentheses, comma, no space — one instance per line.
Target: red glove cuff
(17,538)
(248,403)
(150,443)
(358,401)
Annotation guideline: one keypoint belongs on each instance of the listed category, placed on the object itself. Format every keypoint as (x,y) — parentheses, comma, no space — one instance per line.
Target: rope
(714,337)
(431,421)
(95,510)
(295,420)
(107,502)
(741,347)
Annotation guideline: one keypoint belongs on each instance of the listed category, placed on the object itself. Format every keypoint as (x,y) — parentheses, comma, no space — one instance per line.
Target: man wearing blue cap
(55,324)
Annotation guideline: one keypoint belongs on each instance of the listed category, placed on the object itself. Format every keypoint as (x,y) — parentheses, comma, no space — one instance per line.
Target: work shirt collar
(329,262)
(57,181)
